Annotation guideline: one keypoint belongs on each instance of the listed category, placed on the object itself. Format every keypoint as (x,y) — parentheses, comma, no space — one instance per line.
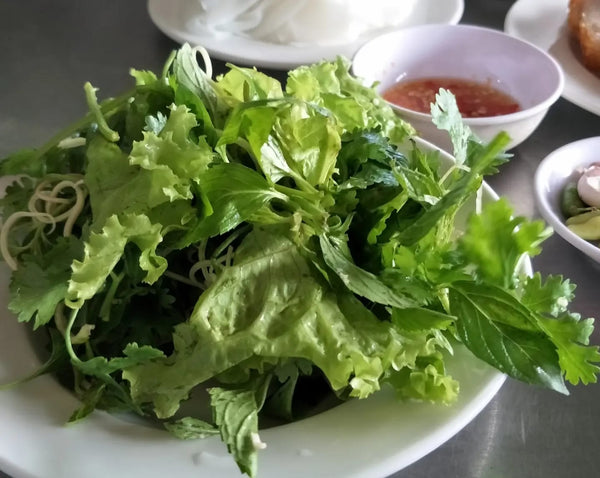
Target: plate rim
(575,90)
(475,395)
(241,50)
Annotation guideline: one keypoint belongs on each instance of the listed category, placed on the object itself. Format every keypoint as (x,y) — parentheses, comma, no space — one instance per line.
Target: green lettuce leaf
(104,249)
(271,304)
(356,106)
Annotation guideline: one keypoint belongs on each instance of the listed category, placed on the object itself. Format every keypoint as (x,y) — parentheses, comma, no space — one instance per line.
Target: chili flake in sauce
(474,99)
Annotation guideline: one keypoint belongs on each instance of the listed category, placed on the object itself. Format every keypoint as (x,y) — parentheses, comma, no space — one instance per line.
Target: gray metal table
(48,49)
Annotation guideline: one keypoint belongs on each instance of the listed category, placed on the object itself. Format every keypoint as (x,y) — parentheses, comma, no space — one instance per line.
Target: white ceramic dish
(553,173)
(370,438)
(544,23)
(174,19)
(471,53)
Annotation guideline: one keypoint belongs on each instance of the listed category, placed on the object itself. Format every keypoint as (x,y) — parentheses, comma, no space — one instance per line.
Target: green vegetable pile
(253,245)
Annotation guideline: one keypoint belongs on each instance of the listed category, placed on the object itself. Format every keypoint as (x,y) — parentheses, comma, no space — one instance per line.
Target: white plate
(552,175)
(544,23)
(361,438)
(173,18)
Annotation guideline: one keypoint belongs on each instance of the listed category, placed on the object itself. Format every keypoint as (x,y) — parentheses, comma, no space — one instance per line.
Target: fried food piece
(584,25)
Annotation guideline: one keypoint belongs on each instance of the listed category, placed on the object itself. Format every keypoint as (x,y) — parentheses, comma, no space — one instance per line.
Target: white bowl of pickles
(567,192)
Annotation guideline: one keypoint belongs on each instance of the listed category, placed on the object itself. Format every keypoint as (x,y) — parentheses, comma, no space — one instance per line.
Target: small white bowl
(513,66)
(552,175)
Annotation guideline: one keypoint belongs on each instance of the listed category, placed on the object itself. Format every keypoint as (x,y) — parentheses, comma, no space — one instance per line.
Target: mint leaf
(190,428)
(234,192)
(504,337)
(421,319)
(236,414)
(359,280)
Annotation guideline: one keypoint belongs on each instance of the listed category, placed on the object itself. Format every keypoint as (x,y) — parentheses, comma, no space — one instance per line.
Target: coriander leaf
(133,355)
(420,187)
(41,282)
(571,336)
(495,241)
(462,189)
(445,115)
(361,148)
(369,175)
(552,296)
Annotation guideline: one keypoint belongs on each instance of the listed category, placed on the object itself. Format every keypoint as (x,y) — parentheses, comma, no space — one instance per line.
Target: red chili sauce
(474,99)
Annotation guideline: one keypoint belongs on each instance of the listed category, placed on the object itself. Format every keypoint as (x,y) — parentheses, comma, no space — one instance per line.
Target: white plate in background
(175,19)
(544,23)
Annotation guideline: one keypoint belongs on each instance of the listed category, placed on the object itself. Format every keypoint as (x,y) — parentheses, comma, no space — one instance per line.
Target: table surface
(50,48)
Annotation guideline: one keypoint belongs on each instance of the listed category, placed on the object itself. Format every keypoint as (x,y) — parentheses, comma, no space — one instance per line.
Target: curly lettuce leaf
(271,304)
(104,249)
(354,105)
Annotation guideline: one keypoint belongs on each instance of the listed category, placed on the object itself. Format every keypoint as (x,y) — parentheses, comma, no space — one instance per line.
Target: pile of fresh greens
(253,244)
